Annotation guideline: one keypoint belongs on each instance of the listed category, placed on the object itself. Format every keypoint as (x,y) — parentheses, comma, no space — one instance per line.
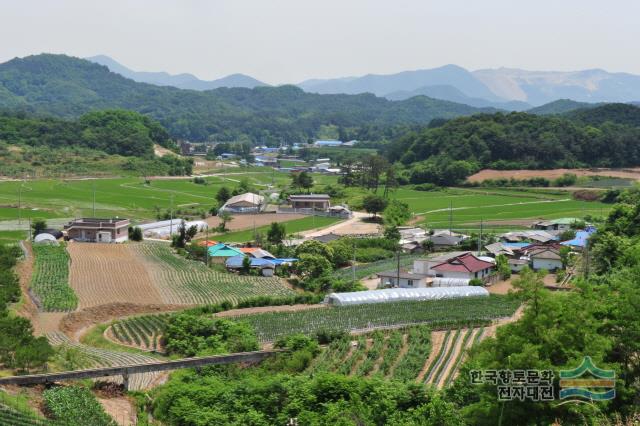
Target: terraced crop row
(50,279)
(437,313)
(395,354)
(12,417)
(451,353)
(141,331)
(108,358)
(181,281)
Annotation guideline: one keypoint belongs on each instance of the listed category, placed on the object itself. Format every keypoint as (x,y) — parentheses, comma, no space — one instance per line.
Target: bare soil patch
(501,287)
(452,359)
(75,323)
(261,309)
(109,273)
(24,270)
(630,173)
(247,221)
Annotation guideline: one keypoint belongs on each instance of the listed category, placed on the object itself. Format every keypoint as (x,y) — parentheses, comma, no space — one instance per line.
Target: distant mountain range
(502,88)
(68,87)
(181,81)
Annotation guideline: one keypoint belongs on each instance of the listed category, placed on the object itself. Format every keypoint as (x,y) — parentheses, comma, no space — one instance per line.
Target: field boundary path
(130,369)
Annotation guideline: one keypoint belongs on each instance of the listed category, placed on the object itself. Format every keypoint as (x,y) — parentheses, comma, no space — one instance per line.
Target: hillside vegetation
(69,87)
(514,141)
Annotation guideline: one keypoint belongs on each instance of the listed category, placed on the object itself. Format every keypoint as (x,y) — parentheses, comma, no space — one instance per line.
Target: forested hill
(626,114)
(119,132)
(517,140)
(68,87)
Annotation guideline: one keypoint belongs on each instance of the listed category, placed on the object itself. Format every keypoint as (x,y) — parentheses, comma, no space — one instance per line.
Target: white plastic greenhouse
(164,228)
(404,294)
(450,282)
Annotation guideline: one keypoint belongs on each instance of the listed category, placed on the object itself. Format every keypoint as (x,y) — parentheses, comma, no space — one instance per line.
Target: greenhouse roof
(405,294)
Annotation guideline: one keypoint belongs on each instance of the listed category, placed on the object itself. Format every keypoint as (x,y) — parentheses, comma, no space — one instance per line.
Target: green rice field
(291,227)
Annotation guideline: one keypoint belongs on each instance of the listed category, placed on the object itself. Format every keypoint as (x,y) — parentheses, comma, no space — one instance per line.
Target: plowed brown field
(109,273)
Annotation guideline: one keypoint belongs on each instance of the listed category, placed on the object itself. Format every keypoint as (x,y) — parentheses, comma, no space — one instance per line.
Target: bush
(75,406)
(476,282)
(426,187)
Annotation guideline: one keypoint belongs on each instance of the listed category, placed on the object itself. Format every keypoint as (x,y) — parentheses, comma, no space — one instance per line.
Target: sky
(287,41)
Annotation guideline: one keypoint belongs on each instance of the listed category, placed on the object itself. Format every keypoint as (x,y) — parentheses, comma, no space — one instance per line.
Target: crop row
(447,313)
(444,366)
(75,405)
(142,331)
(182,281)
(50,279)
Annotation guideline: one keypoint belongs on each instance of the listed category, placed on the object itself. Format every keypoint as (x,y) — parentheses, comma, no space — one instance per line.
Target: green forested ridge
(625,114)
(113,131)
(99,142)
(69,87)
(516,140)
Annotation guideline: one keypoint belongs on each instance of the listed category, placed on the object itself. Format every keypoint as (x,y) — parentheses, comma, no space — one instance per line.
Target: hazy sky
(281,41)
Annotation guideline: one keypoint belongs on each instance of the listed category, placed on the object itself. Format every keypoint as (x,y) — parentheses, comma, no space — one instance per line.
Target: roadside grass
(12,237)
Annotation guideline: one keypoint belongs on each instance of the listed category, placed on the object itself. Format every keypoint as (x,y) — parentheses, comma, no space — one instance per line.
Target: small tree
(313,265)
(191,232)
(391,233)
(246,265)
(305,180)
(179,240)
(38,225)
(502,265)
(374,204)
(223,195)
(225,218)
(276,233)
(135,233)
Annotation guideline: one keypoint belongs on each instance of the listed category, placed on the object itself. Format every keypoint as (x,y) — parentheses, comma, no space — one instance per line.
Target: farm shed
(267,267)
(244,203)
(310,201)
(404,294)
(548,259)
(220,252)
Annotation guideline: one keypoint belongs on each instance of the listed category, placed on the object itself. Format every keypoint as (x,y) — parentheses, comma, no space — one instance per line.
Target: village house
(443,240)
(98,230)
(310,201)
(220,252)
(561,224)
(545,258)
(407,279)
(466,266)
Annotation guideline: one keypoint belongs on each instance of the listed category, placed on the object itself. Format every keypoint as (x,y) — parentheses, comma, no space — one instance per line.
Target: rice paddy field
(133,198)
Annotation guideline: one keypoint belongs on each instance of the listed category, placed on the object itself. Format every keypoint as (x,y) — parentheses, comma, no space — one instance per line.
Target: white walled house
(407,279)
(548,259)
(466,266)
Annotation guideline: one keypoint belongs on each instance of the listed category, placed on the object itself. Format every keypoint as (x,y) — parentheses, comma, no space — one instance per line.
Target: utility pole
(398,273)
(480,238)
(171,218)
(450,216)
(20,204)
(206,246)
(94,199)
(353,263)
(29,229)
(586,258)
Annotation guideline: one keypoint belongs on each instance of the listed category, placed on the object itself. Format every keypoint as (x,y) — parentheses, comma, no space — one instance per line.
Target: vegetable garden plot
(437,313)
(143,331)
(109,273)
(182,281)
(50,279)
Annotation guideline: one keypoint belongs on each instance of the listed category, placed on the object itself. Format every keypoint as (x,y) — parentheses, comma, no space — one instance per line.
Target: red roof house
(465,266)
